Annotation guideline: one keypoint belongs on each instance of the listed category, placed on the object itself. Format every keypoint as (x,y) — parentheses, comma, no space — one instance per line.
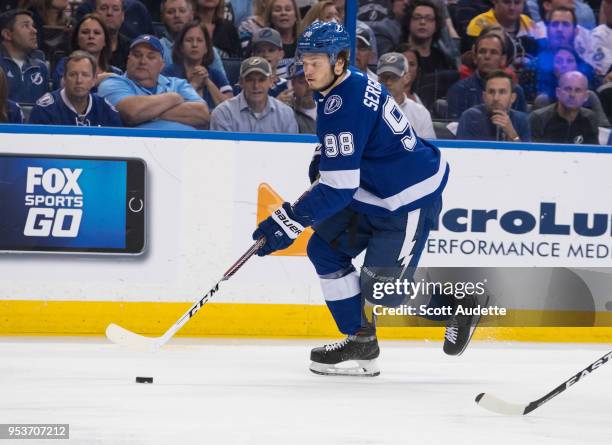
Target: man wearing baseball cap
(364,52)
(393,73)
(253,110)
(146,99)
(304,106)
(267,43)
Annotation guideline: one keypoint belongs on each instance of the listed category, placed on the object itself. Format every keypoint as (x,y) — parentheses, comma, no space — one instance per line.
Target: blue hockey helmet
(323,37)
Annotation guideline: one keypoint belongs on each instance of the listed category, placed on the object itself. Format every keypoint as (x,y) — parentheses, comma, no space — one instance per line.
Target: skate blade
(473,327)
(364,368)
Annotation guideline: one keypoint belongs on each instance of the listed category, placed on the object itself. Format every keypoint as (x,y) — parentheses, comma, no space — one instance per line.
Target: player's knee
(314,247)
(325,259)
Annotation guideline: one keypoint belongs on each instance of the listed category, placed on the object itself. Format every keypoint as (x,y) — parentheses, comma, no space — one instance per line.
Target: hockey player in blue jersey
(379,189)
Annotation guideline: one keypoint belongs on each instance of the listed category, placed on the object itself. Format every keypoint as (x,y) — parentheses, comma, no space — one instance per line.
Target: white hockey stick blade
(129,339)
(499,406)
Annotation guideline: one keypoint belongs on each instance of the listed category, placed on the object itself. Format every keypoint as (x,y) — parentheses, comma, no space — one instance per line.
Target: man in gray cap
(253,110)
(146,99)
(364,52)
(393,73)
(267,43)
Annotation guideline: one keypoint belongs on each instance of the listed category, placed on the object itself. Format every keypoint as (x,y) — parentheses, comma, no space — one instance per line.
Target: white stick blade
(492,403)
(129,339)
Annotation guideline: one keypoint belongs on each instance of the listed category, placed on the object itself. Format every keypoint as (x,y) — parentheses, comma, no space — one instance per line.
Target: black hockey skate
(361,348)
(461,327)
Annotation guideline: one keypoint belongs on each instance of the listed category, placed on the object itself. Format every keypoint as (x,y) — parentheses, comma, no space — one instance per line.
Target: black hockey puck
(144,379)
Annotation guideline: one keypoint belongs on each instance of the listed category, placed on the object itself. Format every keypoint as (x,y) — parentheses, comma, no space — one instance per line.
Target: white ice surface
(261,392)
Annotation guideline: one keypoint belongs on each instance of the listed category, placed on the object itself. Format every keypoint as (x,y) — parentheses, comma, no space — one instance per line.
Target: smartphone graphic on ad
(69,204)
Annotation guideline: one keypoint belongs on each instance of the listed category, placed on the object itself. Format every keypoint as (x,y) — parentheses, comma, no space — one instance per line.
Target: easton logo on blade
(56,202)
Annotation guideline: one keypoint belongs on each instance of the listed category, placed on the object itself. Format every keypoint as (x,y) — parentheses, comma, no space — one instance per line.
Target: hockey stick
(499,406)
(125,337)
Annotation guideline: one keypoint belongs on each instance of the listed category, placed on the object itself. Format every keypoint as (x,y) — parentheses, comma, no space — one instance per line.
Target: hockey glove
(313,168)
(279,230)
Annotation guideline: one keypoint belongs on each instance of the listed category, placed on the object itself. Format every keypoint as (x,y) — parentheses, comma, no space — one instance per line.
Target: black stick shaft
(569,382)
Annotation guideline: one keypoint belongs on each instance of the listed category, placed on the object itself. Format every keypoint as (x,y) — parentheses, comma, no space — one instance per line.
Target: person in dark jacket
(27,75)
(566,121)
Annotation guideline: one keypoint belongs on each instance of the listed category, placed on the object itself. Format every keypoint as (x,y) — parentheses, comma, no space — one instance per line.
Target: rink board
(204,198)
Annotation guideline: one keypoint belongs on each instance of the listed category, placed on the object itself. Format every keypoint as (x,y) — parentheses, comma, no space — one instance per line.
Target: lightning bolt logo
(412,223)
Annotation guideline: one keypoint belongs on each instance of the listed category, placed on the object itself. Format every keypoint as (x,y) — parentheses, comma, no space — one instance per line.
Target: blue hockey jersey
(55,109)
(371,158)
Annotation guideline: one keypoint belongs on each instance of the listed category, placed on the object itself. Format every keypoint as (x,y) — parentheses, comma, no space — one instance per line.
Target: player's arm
(339,177)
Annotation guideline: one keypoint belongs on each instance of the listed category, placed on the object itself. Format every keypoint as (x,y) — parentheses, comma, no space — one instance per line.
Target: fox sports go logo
(55,200)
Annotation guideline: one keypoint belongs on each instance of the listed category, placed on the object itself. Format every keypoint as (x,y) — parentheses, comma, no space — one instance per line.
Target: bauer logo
(55,202)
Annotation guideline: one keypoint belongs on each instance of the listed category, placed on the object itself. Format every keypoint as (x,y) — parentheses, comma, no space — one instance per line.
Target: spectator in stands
(52,24)
(251,24)
(90,35)
(364,53)
(468,64)
(559,27)
(324,11)
(413,58)
(193,56)
(494,120)
(601,57)
(601,44)
(388,31)
(566,121)
(267,43)
(490,55)
(10,111)
(507,13)
(75,104)
(422,30)
(538,10)
(174,15)
(284,16)
(565,60)
(304,106)
(562,33)
(340,7)
(370,11)
(146,99)
(113,16)
(28,77)
(135,17)
(464,12)
(241,10)
(224,34)
(253,110)
(394,74)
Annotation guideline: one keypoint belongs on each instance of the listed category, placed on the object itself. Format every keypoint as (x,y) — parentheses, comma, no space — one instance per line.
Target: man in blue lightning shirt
(379,190)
